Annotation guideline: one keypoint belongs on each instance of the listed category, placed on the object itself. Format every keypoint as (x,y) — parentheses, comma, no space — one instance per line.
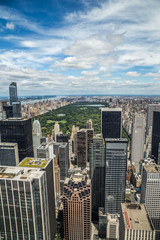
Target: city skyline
(84,47)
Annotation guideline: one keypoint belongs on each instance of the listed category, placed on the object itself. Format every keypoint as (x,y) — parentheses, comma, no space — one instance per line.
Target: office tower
(56,130)
(36,134)
(89,124)
(18,131)
(150,109)
(155,134)
(84,139)
(77,208)
(46,165)
(74,138)
(97,172)
(57,179)
(150,193)
(24,212)
(115,174)
(2,111)
(16,108)
(9,154)
(101,223)
(112,227)
(8,110)
(43,151)
(13,92)
(62,137)
(158,162)
(63,163)
(111,122)
(135,223)
(138,135)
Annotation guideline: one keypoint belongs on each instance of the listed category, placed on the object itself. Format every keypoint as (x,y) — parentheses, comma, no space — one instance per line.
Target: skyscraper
(9,154)
(111,122)
(63,163)
(135,223)
(150,193)
(18,131)
(24,212)
(155,134)
(13,92)
(97,172)
(37,134)
(115,174)
(84,139)
(77,208)
(150,109)
(47,166)
(138,135)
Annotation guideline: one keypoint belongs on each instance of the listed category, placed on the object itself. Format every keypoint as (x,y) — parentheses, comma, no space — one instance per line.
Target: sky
(70,47)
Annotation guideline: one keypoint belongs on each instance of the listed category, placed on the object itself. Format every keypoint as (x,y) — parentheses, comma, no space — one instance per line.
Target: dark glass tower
(97,172)
(111,122)
(155,134)
(18,131)
(13,92)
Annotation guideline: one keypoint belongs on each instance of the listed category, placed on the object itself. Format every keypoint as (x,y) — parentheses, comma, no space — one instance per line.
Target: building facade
(77,208)
(150,109)
(18,131)
(9,154)
(155,134)
(135,223)
(23,204)
(97,172)
(111,122)
(37,134)
(115,174)
(13,92)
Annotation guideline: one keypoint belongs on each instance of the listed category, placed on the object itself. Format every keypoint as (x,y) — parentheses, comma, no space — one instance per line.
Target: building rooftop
(135,217)
(5,144)
(116,140)
(34,162)
(19,173)
(111,109)
(152,168)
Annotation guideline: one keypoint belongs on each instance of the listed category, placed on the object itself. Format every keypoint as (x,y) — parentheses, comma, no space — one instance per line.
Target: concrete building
(84,139)
(112,227)
(61,137)
(150,193)
(97,172)
(9,154)
(63,163)
(89,124)
(36,134)
(77,207)
(111,122)
(115,174)
(137,143)
(135,223)
(46,165)
(24,212)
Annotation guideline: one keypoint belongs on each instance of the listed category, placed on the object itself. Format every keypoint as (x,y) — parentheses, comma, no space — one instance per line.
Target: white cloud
(133,74)
(10,26)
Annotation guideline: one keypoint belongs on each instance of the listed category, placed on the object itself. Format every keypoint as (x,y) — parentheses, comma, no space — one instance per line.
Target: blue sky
(80,47)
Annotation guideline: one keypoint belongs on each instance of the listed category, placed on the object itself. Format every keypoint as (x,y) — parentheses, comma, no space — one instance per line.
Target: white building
(112,227)
(37,134)
(137,144)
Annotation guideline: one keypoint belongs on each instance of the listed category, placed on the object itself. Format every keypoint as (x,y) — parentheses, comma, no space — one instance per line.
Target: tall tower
(111,122)
(18,131)
(47,166)
(63,163)
(97,172)
(77,208)
(115,174)
(84,139)
(37,134)
(155,134)
(150,109)
(24,210)
(150,193)
(13,92)
(138,135)
(9,154)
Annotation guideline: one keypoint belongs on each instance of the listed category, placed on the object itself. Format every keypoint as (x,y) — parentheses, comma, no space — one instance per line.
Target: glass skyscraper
(155,134)
(13,92)
(115,174)
(111,122)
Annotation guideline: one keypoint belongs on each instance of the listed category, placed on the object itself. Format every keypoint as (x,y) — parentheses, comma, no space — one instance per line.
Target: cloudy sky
(80,47)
